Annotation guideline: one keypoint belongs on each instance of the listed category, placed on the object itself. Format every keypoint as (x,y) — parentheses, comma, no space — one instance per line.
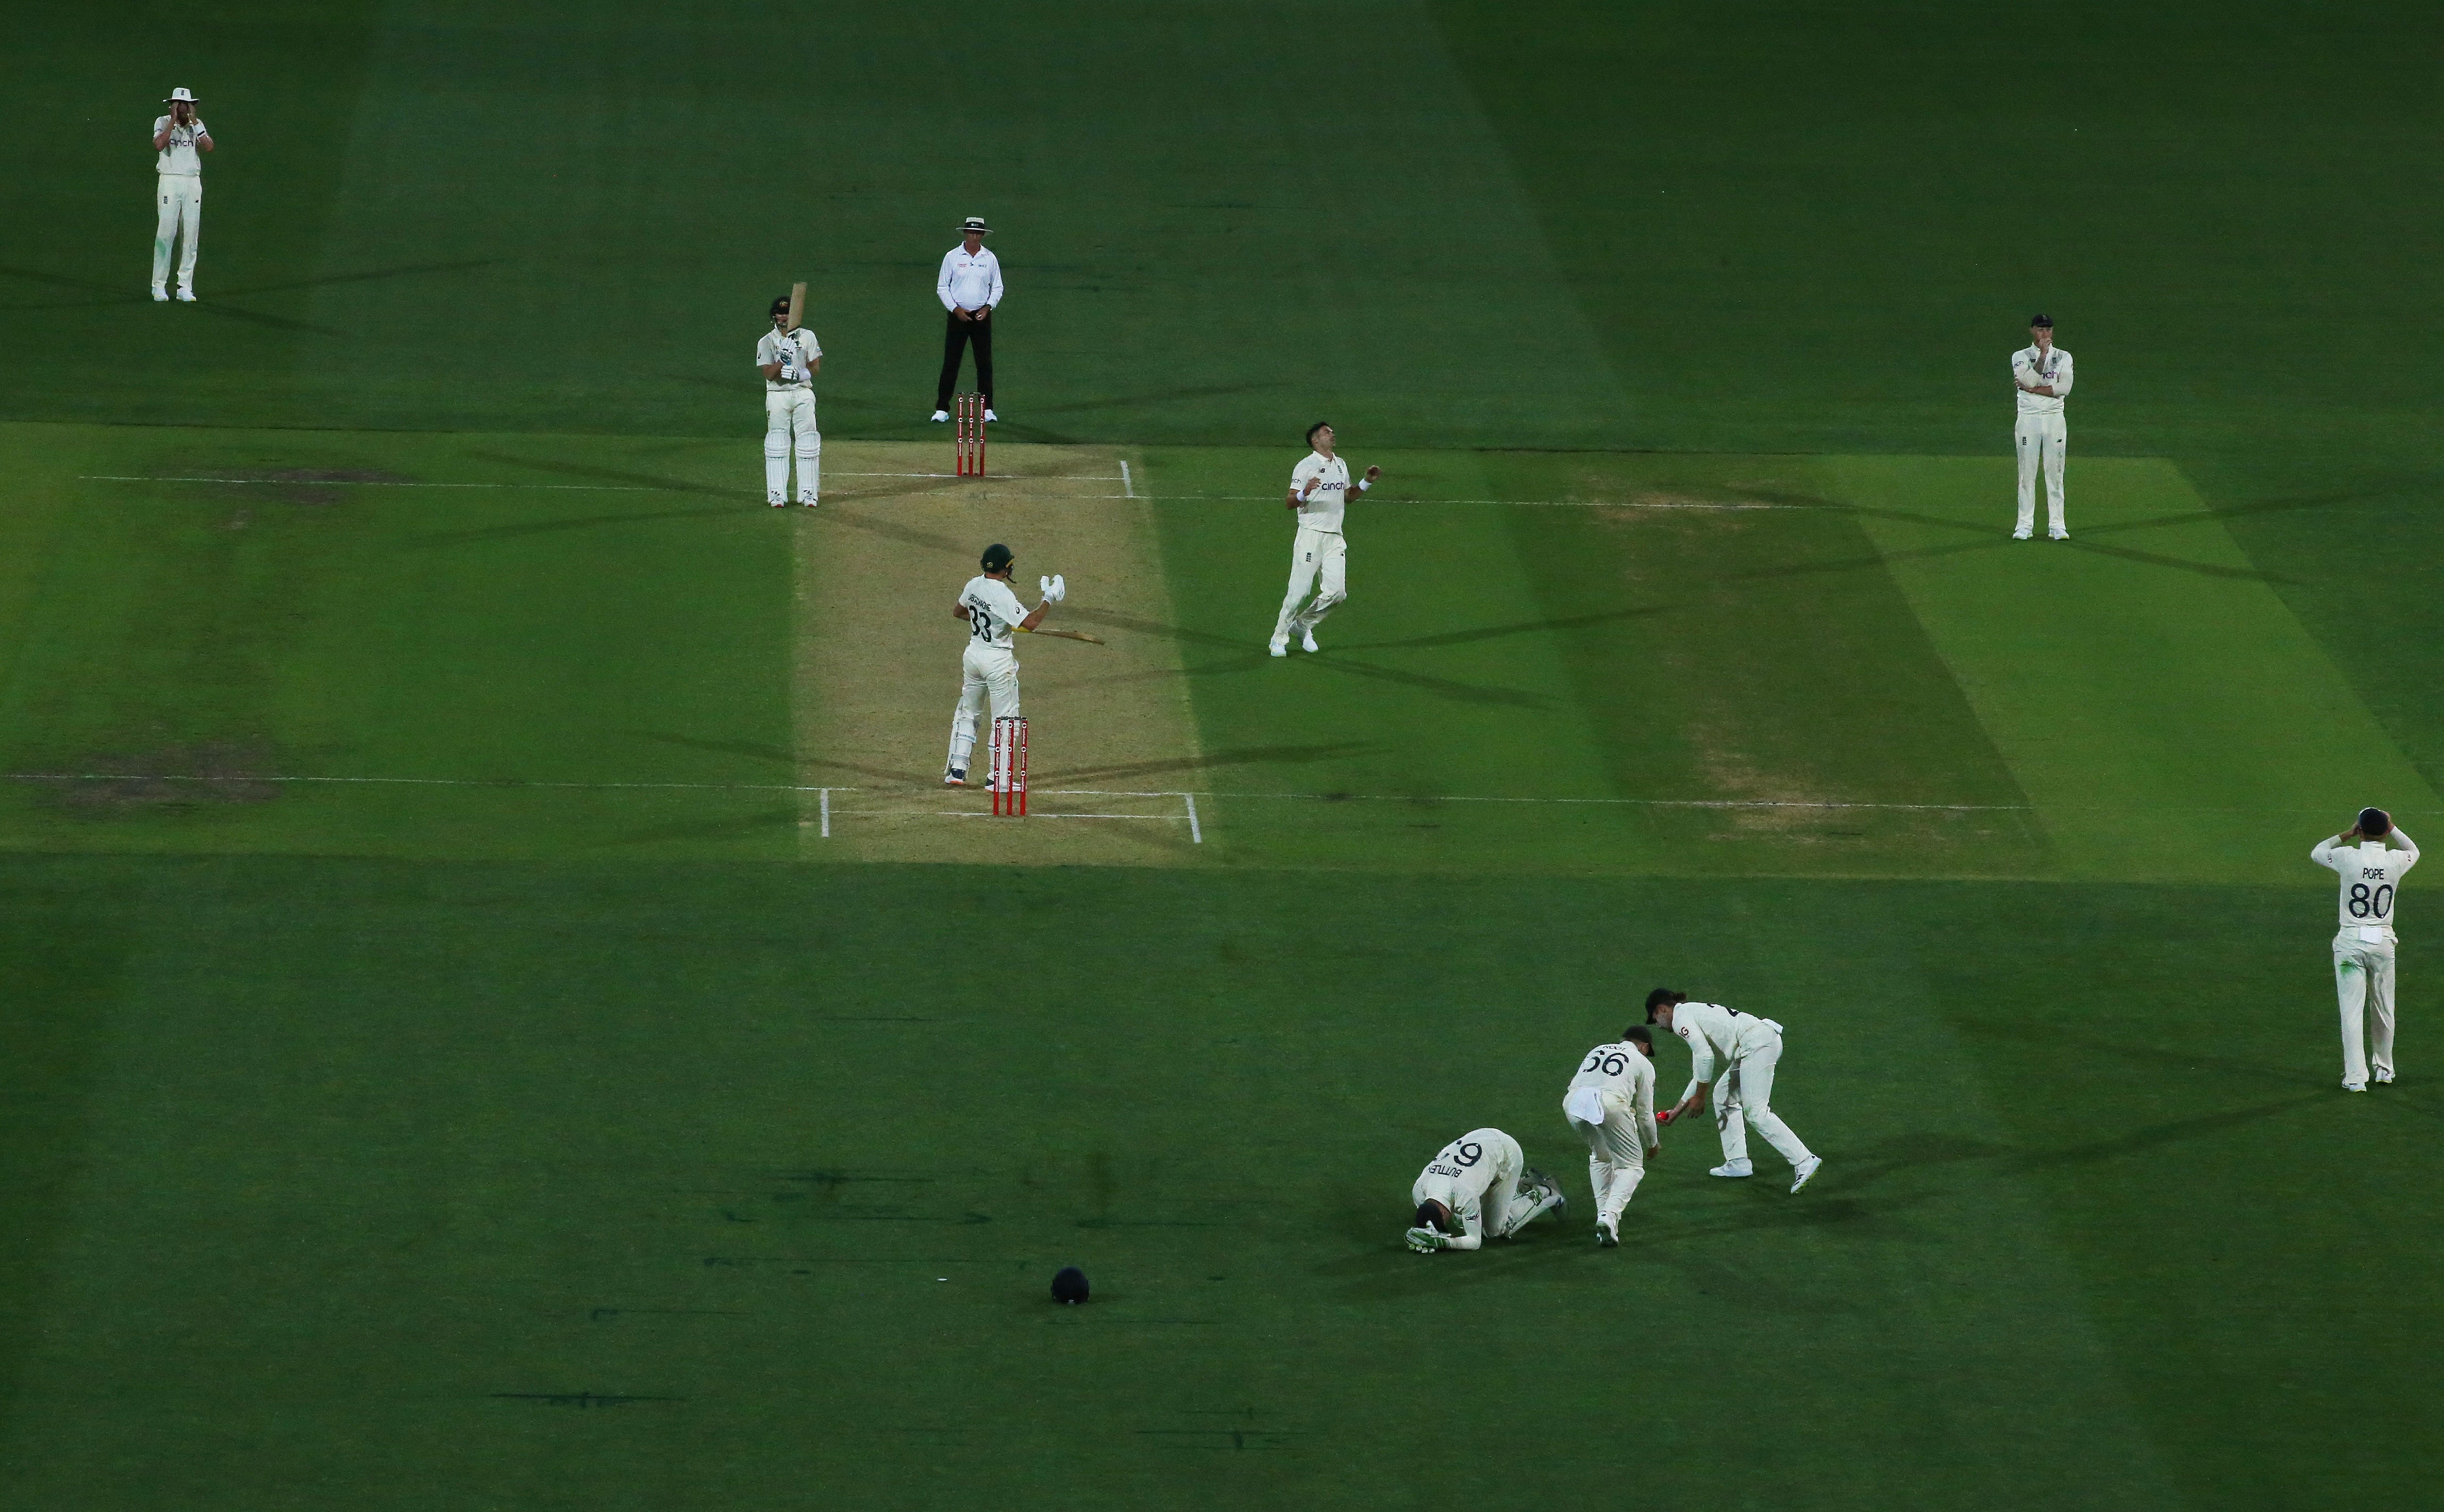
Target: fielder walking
(2042,374)
(178,137)
(2371,873)
(1739,1050)
(1479,1185)
(1319,493)
(1611,1105)
(970,289)
(992,614)
(790,358)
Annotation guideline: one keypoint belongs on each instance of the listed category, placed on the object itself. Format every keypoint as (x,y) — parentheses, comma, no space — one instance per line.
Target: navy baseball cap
(2046,321)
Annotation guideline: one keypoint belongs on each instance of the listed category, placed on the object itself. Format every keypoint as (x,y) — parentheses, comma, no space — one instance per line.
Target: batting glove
(1425,1241)
(1054,589)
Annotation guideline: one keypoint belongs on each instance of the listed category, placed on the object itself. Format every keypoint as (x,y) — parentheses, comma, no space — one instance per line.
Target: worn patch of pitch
(878,567)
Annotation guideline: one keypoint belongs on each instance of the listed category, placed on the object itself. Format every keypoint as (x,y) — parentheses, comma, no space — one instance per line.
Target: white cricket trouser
(1747,1088)
(2363,982)
(1615,1159)
(991,673)
(182,210)
(789,414)
(1315,552)
(2042,442)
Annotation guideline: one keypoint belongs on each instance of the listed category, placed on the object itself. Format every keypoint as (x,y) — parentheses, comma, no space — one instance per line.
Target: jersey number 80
(2367,905)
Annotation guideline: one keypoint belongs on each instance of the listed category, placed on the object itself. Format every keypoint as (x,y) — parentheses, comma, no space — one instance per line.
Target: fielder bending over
(1611,1105)
(789,361)
(1740,1050)
(992,614)
(1480,1185)
(1319,491)
(2364,946)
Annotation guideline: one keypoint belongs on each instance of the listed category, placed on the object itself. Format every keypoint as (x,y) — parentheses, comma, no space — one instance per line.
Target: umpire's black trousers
(956,336)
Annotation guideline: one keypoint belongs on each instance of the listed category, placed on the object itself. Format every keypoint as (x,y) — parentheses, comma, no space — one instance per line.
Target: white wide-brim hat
(975,224)
(178,95)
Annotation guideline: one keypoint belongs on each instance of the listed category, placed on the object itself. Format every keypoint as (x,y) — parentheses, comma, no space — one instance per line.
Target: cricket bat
(1070,634)
(796,303)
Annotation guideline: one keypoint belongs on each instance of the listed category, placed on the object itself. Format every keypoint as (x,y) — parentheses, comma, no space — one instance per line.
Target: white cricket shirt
(2054,369)
(1620,1070)
(1458,1177)
(968,281)
(994,611)
(1322,511)
(2371,877)
(796,349)
(1718,1036)
(180,158)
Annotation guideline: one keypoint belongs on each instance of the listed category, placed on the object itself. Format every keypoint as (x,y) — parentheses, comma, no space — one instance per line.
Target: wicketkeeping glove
(1054,589)
(1425,1241)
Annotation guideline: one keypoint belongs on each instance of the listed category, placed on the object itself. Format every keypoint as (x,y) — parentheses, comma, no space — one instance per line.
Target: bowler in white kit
(1611,1105)
(2041,371)
(1737,1052)
(994,615)
(2371,857)
(1479,1187)
(789,361)
(178,137)
(1319,491)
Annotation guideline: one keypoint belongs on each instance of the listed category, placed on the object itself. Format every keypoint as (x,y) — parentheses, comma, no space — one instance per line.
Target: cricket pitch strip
(1113,741)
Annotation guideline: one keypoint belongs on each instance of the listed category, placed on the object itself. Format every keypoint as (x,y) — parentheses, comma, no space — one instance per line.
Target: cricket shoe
(1306,640)
(1801,1172)
(2058,535)
(1279,648)
(776,501)
(2354,1086)
(941,416)
(1733,1168)
(990,418)
(186,296)
(807,499)
(2383,1078)
(161,296)
(2019,535)
(1608,1234)
(956,777)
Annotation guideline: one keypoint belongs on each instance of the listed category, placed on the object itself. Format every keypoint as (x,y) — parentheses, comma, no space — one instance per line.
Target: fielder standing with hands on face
(2042,373)
(970,289)
(2371,857)
(178,137)
(1318,492)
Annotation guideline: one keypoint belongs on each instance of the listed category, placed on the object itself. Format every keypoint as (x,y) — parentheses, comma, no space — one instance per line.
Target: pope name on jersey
(2370,868)
(1479,1187)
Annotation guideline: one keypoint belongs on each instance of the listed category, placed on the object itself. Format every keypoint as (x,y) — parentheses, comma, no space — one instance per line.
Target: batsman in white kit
(2042,374)
(1732,1054)
(790,359)
(1611,1105)
(178,137)
(2371,871)
(1479,1187)
(994,615)
(1319,493)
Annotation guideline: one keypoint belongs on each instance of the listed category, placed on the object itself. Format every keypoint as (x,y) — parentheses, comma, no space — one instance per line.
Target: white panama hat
(178,95)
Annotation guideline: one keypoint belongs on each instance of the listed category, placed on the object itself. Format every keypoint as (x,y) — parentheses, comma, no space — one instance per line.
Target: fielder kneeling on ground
(1479,1185)
(992,614)
(1740,1051)
(1611,1105)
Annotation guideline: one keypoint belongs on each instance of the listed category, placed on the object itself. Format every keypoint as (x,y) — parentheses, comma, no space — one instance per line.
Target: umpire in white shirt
(969,290)
(2041,371)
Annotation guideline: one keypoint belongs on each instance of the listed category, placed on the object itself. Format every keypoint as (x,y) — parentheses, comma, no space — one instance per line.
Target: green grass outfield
(440,1067)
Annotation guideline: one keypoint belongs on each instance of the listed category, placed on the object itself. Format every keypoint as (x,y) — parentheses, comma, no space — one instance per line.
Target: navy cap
(2046,321)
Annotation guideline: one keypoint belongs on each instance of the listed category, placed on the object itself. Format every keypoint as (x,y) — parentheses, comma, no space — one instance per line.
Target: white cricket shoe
(1279,648)
(161,296)
(186,296)
(990,418)
(776,501)
(1608,1234)
(2354,1086)
(956,777)
(807,499)
(2058,535)
(941,416)
(1806,1169)
(2383,1078)
(1306,640)
(1733,1168)
(2019,535)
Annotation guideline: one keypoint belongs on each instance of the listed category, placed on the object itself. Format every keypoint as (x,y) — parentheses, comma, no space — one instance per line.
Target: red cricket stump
(1009,781)
(970,435)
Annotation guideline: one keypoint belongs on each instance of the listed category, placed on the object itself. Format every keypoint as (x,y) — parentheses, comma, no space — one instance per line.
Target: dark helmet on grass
(1069,1286)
